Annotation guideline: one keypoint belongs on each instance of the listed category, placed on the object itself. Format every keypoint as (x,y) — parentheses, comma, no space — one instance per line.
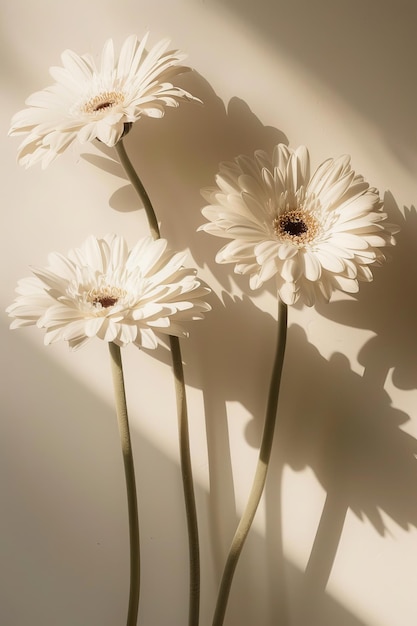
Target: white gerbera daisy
(314,233)
(98,102)
(101,289)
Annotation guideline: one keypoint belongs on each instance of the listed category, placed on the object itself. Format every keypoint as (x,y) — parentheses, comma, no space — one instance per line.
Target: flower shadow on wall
(185,147)
(178,166)
(362,454)
(32,490)
(362,457)
(389,309)
(340,444)
(351,436)
(321,42)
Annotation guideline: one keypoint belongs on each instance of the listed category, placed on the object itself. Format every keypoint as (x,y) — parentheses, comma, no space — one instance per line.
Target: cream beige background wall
(340,78)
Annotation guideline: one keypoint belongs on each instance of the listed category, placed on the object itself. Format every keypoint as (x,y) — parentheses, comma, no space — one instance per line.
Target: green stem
(187,481)
(183,432)
(122,417)
(260,473)
(139,188)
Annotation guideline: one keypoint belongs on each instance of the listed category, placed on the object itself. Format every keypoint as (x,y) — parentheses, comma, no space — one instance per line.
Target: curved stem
(260,473)
(184,443)
(122,417)
(187,481)
(140,189)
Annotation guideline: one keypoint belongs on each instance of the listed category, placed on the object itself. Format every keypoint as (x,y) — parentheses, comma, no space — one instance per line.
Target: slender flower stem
(140,189)
(121,409)
(183,431)
(260,473)
(187,481)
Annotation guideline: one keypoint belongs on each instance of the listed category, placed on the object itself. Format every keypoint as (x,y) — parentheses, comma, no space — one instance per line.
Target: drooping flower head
(104,290)
(90,101)
(315,234)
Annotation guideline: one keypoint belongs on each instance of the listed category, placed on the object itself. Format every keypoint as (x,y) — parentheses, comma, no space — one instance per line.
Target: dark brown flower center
(105,302)
(105,296)
(103,101)
(104,105)
(293,225)
(296,226)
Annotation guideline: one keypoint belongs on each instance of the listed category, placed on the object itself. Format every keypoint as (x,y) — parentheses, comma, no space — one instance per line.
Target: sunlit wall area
(334,539)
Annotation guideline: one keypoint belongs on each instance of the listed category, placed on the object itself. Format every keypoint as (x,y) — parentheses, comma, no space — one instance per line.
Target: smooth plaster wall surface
(340,78)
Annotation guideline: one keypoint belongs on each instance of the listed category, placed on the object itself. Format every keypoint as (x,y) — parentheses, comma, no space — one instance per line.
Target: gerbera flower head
(98,101)
(104,290)
(314,233)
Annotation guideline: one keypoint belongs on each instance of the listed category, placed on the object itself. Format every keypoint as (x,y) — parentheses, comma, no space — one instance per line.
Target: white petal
(351,229)
(288,293)
(93,326)
(349,241)
(266,250)
(74,310)
(267,270)
(147,339)
(312,266)
(127,334)
(107,59)
(287,251)
(346,284)
(76,66)
(56,115)
(330,262)
(255,282)
(292,269)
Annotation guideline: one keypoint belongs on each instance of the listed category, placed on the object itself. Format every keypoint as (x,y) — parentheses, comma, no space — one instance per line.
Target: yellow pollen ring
(105,296)
(104,100)
(296,226)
